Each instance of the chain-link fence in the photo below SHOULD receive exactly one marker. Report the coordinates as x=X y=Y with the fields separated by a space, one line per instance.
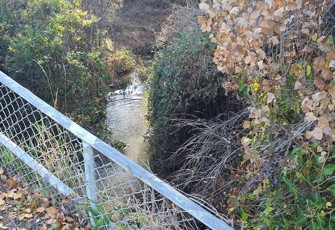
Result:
x=47 y=152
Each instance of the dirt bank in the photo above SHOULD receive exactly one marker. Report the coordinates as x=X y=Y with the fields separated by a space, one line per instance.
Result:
x=134 y=24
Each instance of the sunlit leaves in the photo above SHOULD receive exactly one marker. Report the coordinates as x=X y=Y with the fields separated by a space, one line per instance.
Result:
x=280 y=45
x=328 y=169
x=242 y=30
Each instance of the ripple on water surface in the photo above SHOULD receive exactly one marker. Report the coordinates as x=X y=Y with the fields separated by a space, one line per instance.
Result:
x=126 y=112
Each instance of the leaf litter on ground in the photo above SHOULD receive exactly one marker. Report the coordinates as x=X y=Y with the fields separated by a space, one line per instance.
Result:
x=23 y=209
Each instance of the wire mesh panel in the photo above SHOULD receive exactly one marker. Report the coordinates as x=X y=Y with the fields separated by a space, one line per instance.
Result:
x=79 y=173
x=31 y=135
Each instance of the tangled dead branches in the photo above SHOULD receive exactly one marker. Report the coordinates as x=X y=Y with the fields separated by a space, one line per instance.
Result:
x=212 y=156
x=209 y=154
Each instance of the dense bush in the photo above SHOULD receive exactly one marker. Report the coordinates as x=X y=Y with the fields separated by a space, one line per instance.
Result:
x=54 y=49
x=184 y=81
x=122 y=61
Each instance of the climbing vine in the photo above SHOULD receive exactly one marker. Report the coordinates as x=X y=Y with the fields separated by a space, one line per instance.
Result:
x=280 y=59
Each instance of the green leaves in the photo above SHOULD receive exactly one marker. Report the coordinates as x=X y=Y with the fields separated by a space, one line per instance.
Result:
x=53 y=47
x=308 y=70
x=330 y=40
x=267 y=211
x=328 y=169
x=101 y=219
x=314 y=37
x=292 y=188
x=332 y=189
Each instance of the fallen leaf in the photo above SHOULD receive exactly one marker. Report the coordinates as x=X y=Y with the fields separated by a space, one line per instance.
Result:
x=246 y=124
x=269 y=2
x=315 y=37
x=9 y=194
x=327 y=131
x=274 y=40
x=1 y=171
x=246 y=141
x=51 y=221
x=67 y=227
x=310 y=117
x=202 y=20
x=325 y=48
x=40 y=209
x=25 y=216
x=319 y=64
x=52 y=212
x=331 y=55
x=328 y=205
x=327 y=74
x=319 y=83
x=11 y=215
x=319 y=149
x=331 y=91
x=322 y=40
x=256 y=122
x=17 y=196
x=297 y=85
x=323 y=123
x=307 y=49
x=270 y=97
x=317 y=134
x=306 y=31
x=316 y=98
x=332 y=64
x=234 y=10
x=69 y=219
x=11 y=182
x=279 y=13
x=260 y=65
x=28 y=210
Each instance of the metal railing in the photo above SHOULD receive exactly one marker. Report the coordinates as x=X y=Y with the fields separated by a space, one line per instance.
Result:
x=51 y=154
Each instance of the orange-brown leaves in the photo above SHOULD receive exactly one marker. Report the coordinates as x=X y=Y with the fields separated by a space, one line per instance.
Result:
x=319 y=64
x=275 y=54
x=21 y=207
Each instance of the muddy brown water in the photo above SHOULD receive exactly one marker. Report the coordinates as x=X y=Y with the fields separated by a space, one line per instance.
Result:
x=126 y=113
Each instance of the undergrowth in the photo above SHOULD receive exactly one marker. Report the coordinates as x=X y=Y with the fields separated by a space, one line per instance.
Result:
x=183 y=80
x=279 y=59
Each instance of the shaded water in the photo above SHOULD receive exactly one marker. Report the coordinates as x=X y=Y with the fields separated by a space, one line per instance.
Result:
x=126 y=112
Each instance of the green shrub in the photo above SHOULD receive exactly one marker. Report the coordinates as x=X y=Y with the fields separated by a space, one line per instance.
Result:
x=184 y=80
x=54 y=49
x=123 y=61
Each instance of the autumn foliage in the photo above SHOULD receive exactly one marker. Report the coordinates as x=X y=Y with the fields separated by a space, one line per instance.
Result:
x=280 y=59
x=22 y=208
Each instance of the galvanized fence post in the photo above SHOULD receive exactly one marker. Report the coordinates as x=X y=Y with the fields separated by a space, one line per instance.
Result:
x=91 y=189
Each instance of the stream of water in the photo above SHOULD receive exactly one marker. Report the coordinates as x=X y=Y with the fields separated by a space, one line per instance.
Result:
x=126 y=112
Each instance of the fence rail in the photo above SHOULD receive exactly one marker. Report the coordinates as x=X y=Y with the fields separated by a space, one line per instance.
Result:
x=48 y=152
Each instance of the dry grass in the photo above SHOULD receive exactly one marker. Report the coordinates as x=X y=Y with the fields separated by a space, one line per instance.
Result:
x=134 y=24
x=209 y=156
